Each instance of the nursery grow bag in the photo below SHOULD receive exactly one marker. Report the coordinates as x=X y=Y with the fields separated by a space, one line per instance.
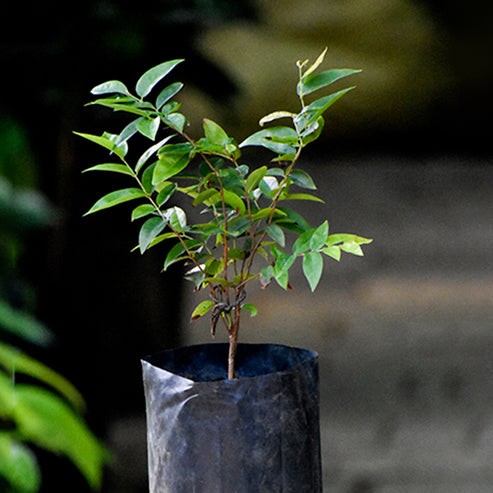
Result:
x=257 y=433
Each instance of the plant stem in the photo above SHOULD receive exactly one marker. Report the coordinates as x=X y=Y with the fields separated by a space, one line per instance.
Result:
x=233 y=341
x=273 y=207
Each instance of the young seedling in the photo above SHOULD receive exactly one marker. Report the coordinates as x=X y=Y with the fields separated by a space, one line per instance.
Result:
x=245 y=210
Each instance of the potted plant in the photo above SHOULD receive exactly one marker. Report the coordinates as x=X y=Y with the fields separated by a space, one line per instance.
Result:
x=226 y=417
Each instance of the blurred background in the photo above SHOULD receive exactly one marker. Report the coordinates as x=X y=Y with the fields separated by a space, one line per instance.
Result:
x=404 y=334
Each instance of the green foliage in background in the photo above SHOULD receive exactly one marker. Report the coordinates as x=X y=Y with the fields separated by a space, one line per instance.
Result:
x=37 y=405
x=47 y=413
x=244 y=209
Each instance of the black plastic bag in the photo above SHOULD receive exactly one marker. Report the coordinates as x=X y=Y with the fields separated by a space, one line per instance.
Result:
x=257 y=433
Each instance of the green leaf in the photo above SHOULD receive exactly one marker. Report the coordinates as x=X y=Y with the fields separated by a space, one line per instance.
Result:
x=116 y=198
x=262 y=214
x=312 y=268
x=202 y=308
x=173 y=158
x=149 y=230
x=169 y=166
x=197 y=278
x=128 y=131
x=275 y=172
x=232 y=180
x=103 y=141
x=213 y=267
x=300 y=196
x=147 y=178
x=319 y=236
x=46 y=420
x=120 y=149
x=24 y=325
x=312 y=132
x=332 y=251
x=242 y=170
x=6 y=395
x=129 y=105
x=277 y=234
x=254 y=178
x=231 y=199
x=214 y=134
x=276 y=115
x=312 y=239
x=250 y=308
x=317 y=63
x=167 y=93
x=150 y=78
x=269 y=186
x=217 y=280
x=177 y=218
x=237 y=253
x=170 y=107
x=147 y=154
x=266 y=274
x=160 y=238
x=16 y=361
x=117 y=99
x=217 y=164
x=149 y=127
x=176 y=121
x=302 y=179
x=165 y=192
x=282 y=266
x=142 y=211
x=293 y=216
x=204 y=195
x=302 y=243
x=348 y=243
x=117 y=168
x=238 y=226
x=276 y=139
x=174 y=255
x=282 y=278
x=351 y=247
x=313 y=111
x=314 y=82
x=18 y=465
x=344 y=237
x=111 y=86
x=284 y=157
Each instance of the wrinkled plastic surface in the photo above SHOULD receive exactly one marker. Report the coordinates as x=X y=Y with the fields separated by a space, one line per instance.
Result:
x=257 y=433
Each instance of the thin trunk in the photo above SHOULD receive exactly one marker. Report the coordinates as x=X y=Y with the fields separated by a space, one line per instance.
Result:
x=233 y=342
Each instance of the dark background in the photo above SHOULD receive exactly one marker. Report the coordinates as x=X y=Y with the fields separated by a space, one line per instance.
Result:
x=106 y=306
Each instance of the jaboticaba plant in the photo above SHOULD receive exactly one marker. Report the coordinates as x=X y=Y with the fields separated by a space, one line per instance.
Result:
x=245 y=210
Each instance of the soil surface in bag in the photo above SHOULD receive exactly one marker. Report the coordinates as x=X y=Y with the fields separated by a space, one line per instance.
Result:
x=256 y=433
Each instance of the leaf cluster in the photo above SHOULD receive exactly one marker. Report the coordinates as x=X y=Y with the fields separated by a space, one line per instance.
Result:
x=46 y=413
x=245 y=210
